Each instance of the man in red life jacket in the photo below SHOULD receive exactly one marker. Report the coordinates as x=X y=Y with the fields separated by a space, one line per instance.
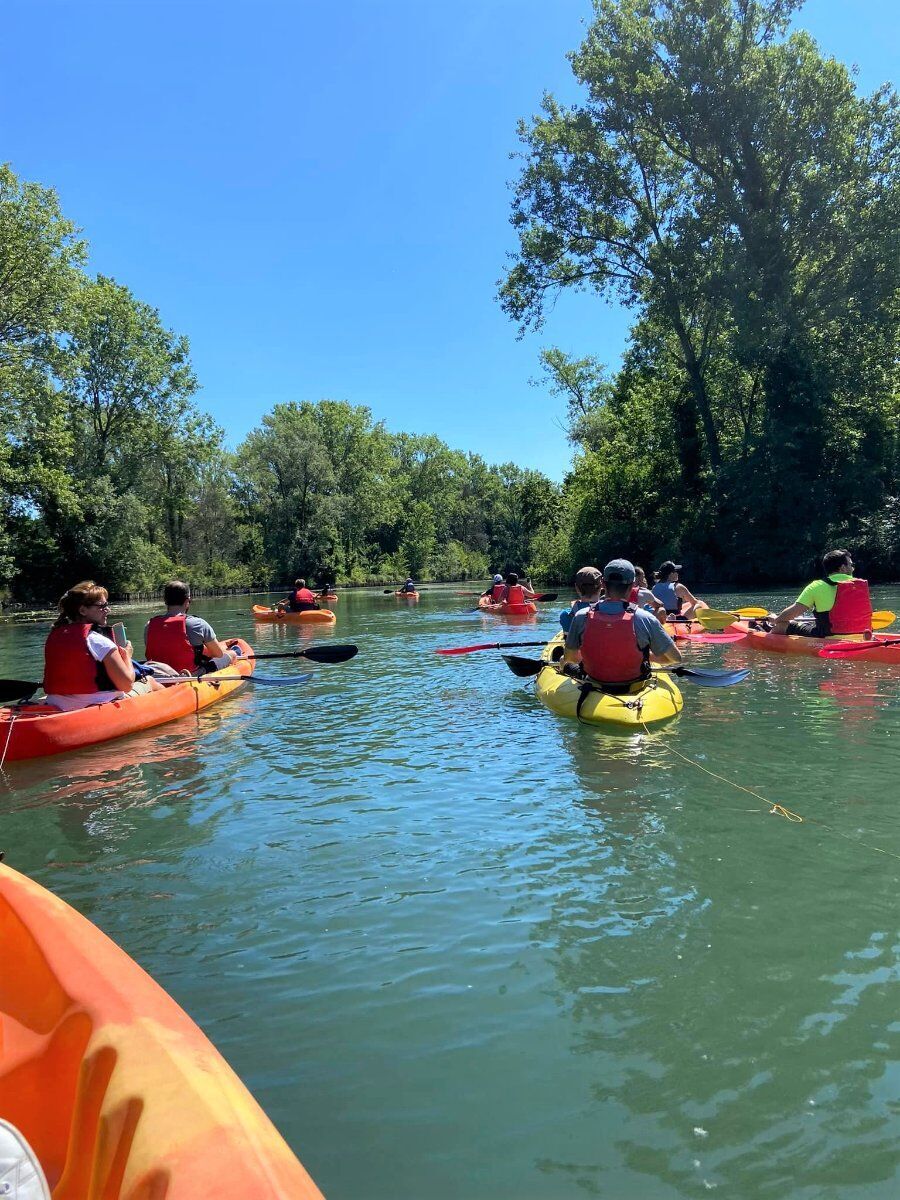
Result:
x=613 y=639
x=185 y=643
x=514 y=592
x=301 y=598
x=839 y=602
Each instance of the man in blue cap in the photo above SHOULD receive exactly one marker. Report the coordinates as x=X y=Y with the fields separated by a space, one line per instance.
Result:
x=613 y=639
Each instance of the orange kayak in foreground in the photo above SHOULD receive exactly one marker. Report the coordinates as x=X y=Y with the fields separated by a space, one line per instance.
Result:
x=312 y=616
x=118 y=1093
x=37 y=730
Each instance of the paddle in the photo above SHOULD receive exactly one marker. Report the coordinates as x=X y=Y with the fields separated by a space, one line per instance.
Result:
x=489 y=646
x=319 y=654
x=398 y=592
x=848 y=649
x=16 y=689
x=264 y=680
x=702 y=676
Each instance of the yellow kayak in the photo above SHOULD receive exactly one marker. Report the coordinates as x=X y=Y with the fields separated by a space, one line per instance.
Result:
x=656 y=699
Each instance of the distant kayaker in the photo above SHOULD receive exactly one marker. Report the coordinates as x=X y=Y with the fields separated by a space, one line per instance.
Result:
x=588 y=589
x=514 y=592
x=82 y=663
x=184 y=642
x=495 y=592
x=300 y=599
x=836 y=603
x=672 y=594
x=642 y=595
x=328 y=591
x=614 y=639
x=409 y=586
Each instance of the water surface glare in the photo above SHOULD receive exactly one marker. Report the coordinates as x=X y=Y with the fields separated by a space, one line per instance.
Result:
x=460 y=947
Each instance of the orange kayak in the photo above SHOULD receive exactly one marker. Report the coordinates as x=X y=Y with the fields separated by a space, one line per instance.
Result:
x=407 y=595
x=38 y=730
x=507 y=610
x=312 y=616
x=328 y=599
x=116 y=1090
x=789 y=643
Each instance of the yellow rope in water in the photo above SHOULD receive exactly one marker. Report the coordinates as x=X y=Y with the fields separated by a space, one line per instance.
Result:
x=778 y=809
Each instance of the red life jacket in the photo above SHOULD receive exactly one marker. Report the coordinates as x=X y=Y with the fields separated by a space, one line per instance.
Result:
x=609 y=650
x=635 y=595
x=302 y=596
x=851 y=611
x=513 y=595
x=497 y=592
x=69 y=667
x=167 y=642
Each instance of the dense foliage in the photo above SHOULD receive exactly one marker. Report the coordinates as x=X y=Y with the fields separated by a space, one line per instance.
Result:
x=726 y=181
x=109 y=470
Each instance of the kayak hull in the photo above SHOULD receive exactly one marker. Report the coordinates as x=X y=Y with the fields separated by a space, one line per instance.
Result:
x=115 y=1088
x=312 y=616
x=527 y=609
x=658 y=699
x=407 y=595
x=37 y=730
x=782 y=643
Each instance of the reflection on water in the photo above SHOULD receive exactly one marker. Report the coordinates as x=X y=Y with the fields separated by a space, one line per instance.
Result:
x=458 y=945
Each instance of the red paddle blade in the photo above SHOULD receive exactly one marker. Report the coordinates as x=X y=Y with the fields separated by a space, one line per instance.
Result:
x=849 y=649
x=469 y=649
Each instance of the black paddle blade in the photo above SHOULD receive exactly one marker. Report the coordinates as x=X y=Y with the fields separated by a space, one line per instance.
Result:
x=16 y=689
x=709 y=676
x=523 y=667
x=546 y=596
x=320 y=654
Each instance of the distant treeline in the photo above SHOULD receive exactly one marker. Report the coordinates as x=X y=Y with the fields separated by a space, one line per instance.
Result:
x=721 y=178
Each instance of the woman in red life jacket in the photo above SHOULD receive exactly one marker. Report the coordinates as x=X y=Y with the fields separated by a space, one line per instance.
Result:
x=838 y=603
x=186 y=643
x=613 y=639
x=300 y=598
x=514 y=592
x=82 y=663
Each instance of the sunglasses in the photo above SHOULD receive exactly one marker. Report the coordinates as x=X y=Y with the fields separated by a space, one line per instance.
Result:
x=105 y=604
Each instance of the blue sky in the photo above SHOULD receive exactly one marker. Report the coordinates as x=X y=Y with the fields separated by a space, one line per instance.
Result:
x=315 y=192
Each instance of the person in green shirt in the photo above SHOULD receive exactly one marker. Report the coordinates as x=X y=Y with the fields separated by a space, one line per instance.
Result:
x=838 y=603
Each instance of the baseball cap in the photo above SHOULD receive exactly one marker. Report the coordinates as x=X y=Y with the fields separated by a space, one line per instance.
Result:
x=498 y=579
x=619 y=570
x=588 y=579
x=668 y=567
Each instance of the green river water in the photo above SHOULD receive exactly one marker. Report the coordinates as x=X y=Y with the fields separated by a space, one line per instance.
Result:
x=459 y=947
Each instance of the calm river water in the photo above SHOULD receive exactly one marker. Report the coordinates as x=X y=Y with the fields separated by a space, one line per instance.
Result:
x=460 y=947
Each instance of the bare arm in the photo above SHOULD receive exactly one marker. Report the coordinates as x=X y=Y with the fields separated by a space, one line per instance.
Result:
x=119 y=669
x=788 y=614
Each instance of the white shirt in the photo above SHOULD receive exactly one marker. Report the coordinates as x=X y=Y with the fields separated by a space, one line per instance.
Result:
x=98 y=646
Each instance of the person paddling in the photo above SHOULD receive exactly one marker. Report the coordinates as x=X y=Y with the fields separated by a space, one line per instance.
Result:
x=588 y=588
x=614 y=639
x=184 y=642
x=300 y=599
x=495 y=591
x=514 y=592
x=675 y=597
x=82 y=663
x=836 y=603
x=408 y=587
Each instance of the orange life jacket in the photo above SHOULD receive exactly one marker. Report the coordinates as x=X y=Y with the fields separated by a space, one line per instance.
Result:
x=513 y=595
x=69 y=667
x=497 y=592
x=851 y=611
x=167 y=642
x=609 y=650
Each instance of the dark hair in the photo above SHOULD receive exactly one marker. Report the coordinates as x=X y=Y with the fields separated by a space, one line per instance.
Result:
x=617 y=589
x=82 y=595
x=299 y=583
x=175 y=592
x=512 y=579
x=834 y=560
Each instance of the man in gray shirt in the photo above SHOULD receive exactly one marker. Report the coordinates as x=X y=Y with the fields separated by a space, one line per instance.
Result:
x=181 y=641
x=649 y=635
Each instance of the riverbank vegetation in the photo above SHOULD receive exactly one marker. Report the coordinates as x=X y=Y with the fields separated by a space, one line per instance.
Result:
x=721 y=178
x=728 y=183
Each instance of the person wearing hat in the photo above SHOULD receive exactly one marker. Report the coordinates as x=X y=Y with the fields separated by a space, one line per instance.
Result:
x=588 y=589
x=514 y=592
x=613 y=639
x=676 y=598
x=495 y=591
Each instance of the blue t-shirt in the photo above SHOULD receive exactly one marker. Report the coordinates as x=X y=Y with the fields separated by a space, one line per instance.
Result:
x=565 y=617
x=648 y=633
x=666 y=594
